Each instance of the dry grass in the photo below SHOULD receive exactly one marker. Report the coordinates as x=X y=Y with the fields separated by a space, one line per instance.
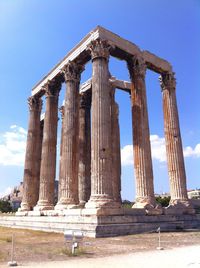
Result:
x=42 y=246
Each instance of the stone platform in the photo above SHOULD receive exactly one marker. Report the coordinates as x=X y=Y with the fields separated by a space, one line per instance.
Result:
x=128 y=222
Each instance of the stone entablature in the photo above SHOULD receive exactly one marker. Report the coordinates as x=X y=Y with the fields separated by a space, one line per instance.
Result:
x=90 y=165
x=121 y=48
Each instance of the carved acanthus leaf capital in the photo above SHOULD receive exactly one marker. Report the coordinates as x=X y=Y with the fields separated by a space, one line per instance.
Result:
x=168 y=81
x=35 y=103
x=137 y=67
x=99 y=49
x=52 y=88
x=72 y=71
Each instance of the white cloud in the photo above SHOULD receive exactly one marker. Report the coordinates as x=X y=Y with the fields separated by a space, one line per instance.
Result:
x=158 y=151
x=12 y=146
x=127 y=155
x=13 y=126
x=189 y=152
x=7 y=191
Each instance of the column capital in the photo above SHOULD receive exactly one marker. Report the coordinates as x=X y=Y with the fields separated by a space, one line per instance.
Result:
x=52 y=88
x=72 y=71
x=99 y=49
x=137 y=67
x=35 y=103
x=167 y=81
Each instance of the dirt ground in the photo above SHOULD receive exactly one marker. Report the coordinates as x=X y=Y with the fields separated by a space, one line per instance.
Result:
x=37 y=246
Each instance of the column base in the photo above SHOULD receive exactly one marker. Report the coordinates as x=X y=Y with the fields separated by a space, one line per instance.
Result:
x=66 y=206
x=64 y=203
x=24 y=207
x=101 y=201
x=43 y=205
x=82 y=204
x=150 y=206
x=179 y=207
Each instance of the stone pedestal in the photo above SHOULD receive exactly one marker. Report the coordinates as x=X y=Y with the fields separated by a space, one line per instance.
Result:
x=33 y=155
x=69 y=162
x=101 y=149
x=141 y=138
x=84 y=172
x=179 y=202
x=48 y=163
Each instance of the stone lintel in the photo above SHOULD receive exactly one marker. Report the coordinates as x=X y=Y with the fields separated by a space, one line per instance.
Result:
x=86 y=86
x=121 y=49
x=116 y=83
x=155 y=63
x=121 y=84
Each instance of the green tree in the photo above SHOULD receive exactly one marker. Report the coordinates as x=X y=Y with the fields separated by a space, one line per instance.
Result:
x=127 y=204
x=5 y=206
x=164 y=201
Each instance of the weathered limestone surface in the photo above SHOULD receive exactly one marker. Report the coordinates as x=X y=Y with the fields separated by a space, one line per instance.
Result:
x=141 y=138
x=102 y=226
x=69 y=162
x=84 y=172
x=101 y=157
x=48 y=163
x=155 y=63
x=116 y=154
x=31 y=168
x=38 y=148
x=61 y=109
x=175 y=160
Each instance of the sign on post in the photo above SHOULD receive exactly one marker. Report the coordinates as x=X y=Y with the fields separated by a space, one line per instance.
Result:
x=75 y=237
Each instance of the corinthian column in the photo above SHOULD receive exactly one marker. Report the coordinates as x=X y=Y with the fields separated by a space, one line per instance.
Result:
x=48 y=162
x=31 y=168
x=116 y=155
x=84 y=172
x=174 y=150
x=101 y=148
x=69 y=161
x=141 y=138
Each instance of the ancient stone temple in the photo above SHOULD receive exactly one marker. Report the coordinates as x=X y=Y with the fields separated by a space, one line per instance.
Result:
x=90 y=164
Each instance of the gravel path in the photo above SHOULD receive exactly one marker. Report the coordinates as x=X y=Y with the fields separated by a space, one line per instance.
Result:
x=171 y=258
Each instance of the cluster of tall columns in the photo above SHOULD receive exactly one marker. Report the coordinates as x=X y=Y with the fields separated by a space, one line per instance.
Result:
x=90 y=164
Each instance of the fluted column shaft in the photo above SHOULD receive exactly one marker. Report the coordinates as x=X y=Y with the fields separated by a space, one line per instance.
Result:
x=69 y=161
x=174 y=150
x=116 y=154
x=60 y=166
x=101 y=149
x=38 y=149
x=31 y=168
x=141 y=138
x=84 y=172
x=48 y=162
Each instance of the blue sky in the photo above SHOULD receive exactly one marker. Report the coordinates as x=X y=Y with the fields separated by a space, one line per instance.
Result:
x=36 y=34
